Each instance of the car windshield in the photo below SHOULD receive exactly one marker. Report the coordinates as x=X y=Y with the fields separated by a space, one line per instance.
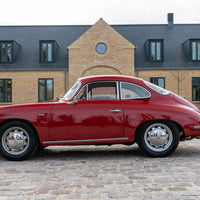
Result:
x=157 y=88
x=72 y=91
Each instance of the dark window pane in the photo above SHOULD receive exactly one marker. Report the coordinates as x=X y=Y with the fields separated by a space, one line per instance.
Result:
x=41 y=90
x=44 y=56
x=158 y=51
x=8 y=90
x=196 y=89
x=158 y=81
x=198 y=50
x=45 y=89
x=49 y=89
x=5 y=90
x=3 y=52
x=9 y=52
x=1 y=90
x=49 y=52
x=153 y=50
x=194 y=51
x=6 y=52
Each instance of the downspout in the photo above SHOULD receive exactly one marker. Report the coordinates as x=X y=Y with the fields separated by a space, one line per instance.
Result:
x=137 y=72
x=65 y=80
x=65 y=71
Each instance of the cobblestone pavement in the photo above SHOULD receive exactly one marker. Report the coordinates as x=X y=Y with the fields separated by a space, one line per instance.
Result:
x=101 y=172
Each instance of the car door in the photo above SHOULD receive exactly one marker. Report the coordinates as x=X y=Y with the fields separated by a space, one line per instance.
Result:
x=97 y=114
x=135 y=101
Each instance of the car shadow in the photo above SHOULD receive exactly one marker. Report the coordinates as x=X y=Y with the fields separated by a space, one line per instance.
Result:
x=104 y=153
x=88 y=152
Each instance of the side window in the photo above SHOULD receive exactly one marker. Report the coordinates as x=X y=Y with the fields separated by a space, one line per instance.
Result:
x=102 y=91
x=132 y=91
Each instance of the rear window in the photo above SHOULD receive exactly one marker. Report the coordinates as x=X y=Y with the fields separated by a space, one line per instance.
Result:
x=157 y=88
x=132 y=91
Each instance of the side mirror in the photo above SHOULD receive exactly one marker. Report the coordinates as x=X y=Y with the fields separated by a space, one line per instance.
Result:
x=73 y=101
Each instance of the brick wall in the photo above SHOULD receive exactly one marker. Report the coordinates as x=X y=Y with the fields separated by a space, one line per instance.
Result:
x=25 y=84
x=171 y=81
x=84 y=60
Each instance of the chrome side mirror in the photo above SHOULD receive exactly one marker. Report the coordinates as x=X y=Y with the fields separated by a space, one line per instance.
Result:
x=73 y=101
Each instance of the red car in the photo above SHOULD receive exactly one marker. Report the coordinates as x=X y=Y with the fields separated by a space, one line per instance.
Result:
x=101 y=110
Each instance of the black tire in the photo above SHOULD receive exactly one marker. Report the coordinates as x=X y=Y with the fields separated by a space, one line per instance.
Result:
x=158 y=139
x=17 y=141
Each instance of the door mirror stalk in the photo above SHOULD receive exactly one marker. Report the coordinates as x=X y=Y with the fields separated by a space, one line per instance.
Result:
x=74 y=101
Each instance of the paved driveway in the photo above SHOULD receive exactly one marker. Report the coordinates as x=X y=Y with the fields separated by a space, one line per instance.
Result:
x=101 y=172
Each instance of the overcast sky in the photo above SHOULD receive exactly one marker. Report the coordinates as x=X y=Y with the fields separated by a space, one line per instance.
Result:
x=77 y=12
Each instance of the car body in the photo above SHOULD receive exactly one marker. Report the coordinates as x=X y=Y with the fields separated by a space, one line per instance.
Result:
x=101 y=110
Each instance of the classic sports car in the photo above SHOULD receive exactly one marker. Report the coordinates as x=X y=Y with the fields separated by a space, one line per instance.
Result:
x=101 y=110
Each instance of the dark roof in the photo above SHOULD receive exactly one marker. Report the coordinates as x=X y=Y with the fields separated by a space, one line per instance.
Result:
x=173 y=36
x=28 y=37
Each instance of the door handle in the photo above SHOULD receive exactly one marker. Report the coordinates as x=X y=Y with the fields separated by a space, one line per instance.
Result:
x=118 y=111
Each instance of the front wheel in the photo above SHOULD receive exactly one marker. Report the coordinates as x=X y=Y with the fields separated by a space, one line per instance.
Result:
x=17 y=141
x=158 y=139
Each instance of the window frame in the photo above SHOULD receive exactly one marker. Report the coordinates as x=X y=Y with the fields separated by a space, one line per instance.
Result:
x=137 y=98
x=4 y=91
x=86 y=85
x=196 y=52
x=192 y=90
x=12 y=51
x=161 y=50
x=45 y=89
x=157 y=78
x=54 y=51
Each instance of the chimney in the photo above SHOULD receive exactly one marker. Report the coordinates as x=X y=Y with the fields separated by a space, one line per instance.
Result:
x=170 y=18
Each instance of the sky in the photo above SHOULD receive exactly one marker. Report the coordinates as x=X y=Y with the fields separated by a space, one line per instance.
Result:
x=87 y=12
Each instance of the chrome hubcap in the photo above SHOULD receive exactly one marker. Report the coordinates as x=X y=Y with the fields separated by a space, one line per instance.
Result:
x=158 y=137
x=15 y=140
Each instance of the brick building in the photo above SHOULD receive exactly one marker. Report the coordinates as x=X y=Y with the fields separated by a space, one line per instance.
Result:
x=39 y=63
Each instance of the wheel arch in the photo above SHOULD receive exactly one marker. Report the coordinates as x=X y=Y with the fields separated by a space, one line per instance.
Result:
x=137 y=131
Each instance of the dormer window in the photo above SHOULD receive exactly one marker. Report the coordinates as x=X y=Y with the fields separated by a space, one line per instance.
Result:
x=195 y=50
x=154 y=50
x=9 y=51
x=192 y=49
x=48 y=50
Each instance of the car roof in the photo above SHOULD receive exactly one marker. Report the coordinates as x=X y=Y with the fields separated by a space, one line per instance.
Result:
x=111 y=78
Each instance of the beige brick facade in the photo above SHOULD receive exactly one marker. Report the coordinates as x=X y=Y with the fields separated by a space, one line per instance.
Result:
x=84 y=60
x=25 y=84
x=178 y=81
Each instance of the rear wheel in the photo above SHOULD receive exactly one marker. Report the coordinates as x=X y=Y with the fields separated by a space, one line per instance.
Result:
x=158 y=139
x=18 y=141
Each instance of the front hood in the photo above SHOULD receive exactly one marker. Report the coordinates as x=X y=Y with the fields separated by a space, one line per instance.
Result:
x=183 y=101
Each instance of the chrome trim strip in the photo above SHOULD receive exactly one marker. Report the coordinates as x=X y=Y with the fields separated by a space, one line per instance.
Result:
x=196 y=127
x=76 y=141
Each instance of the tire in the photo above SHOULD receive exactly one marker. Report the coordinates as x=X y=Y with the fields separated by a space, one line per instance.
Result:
x=158 y=139
x=17 y=141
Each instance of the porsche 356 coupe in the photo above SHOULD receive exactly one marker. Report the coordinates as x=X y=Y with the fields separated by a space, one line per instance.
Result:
x=101 y=110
